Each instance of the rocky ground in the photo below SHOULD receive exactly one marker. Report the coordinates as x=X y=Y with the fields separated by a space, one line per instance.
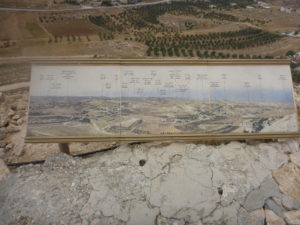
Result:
x=156 y=183
x=13 y=120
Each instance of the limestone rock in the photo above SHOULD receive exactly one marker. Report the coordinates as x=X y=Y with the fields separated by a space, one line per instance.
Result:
x=20 y=121
x=1 y=97
x=292 y=217
x=60 y=160
x=141 y=213
x=2 y=135
x=288 y=178
x=109 y=205
x=295 y=158
x=12 y=129
x=224 y=215
x=13 y=122
x=189 y=215
x=290 y=203
x=4 y=122
x=13 y=107
x=11 y=113
x=276 y=208
x=270 y=158
x=16 y=117
x=8 y=147
x=19 y=148
x=105 y=221
x=21 y=107
x=278 y=200
x=165 y=187
x=166 y=221
x=176 y=158
x=273 y=219
x=293 y=145
x=4 y=171
x=177 y=184
x=256 y=217
x=229 y=171
x=227 y=192
x=270 y=188
x=3 y=144
x=289 y=145
x=2 y=152
x=256 y=198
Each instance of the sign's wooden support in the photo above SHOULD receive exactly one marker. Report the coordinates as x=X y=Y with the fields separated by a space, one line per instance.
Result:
x=198 y=138
x=64 y=147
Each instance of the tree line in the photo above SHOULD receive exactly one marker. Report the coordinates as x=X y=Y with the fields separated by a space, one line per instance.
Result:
x=189 y=45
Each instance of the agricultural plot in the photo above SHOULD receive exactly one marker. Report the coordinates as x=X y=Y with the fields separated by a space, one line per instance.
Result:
x=167 y=39
x=60 y=27
x=177 y=29
x=64 y=29
x=189 y=44
x=18 y=25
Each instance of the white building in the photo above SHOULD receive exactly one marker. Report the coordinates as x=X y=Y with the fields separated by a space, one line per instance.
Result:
x=266 y=7
x=286 y=9
x=261 y=3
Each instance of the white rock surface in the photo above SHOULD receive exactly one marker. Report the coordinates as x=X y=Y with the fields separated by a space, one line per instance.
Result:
x=256 y=217
x=290 y=203
x=288 y=179
x=4 y=171
x=141 y=212
x=177 y=184
x=1 y=97
x=293 y=217
x=295 y=158
x=273 y=219
x=256 y=198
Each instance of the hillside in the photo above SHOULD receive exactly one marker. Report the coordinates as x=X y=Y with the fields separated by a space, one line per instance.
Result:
x=34 y=4
x=178 y=29
x=287 y=3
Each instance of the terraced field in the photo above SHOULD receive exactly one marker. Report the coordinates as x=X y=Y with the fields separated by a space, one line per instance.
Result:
x=178 y=29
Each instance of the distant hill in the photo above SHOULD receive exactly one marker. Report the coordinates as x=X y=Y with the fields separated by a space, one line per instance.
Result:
x=288 y=3
x=29 y=3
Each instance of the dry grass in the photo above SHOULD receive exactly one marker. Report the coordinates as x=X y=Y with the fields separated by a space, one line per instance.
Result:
x=72 y=27
x=18 y=26
x=279 y=21
x=18 y=72
x=104 y=49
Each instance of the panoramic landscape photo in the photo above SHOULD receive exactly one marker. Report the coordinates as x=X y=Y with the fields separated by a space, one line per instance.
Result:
x=160 y=100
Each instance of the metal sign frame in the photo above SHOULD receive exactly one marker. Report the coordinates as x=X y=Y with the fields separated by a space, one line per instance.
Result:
x=165 y=137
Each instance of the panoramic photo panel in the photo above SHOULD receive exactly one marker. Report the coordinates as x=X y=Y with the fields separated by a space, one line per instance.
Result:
x=128 y=100
x=74 y=101
x=163 y=99
x=255 y=98
x=206 y=99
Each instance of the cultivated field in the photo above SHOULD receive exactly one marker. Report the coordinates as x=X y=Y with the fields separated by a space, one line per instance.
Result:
x=178 y=29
